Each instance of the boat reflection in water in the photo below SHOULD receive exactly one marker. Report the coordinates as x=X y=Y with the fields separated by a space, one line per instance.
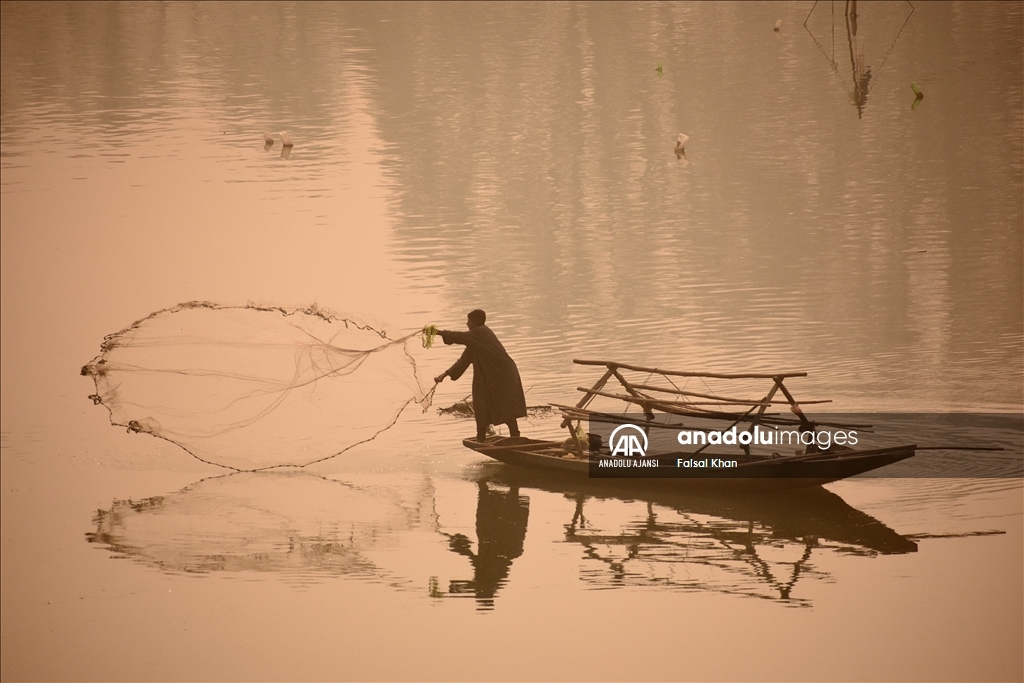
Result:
x=746 y=545
x=386 y=528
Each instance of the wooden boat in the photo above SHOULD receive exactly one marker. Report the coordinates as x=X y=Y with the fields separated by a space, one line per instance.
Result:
x=754 y=474
x=674 y=408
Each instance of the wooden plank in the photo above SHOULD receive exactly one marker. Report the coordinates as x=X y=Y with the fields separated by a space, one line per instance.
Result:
x=773 y=419
x=596 y=416
x=647 y=399
x=597 y=386
x=726 y=399
x=525 y=447
x=771 y=394
x=587 y=397
x=678 y=373
x=723 y=400
x=673 y=408
x=794 y=406
x=633 y=392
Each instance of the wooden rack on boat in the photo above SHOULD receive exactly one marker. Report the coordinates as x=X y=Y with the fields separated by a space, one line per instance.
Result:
x=674 y=401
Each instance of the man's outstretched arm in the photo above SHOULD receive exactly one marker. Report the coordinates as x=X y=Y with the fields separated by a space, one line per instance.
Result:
x=450 y=337
x=456 y=370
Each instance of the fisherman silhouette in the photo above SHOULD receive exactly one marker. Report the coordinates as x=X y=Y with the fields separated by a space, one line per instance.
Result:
x=498 y=396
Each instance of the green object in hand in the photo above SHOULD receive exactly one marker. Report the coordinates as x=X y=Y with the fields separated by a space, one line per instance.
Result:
x=428 y=334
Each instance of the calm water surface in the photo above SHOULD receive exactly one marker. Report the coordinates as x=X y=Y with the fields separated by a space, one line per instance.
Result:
x=517 y=158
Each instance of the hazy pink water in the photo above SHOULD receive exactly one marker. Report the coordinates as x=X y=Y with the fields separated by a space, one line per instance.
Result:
x=517 y=158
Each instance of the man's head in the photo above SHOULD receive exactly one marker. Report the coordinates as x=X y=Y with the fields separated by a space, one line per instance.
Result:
x=475 y=318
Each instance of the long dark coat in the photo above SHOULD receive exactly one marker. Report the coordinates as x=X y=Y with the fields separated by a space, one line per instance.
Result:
x=497 y=389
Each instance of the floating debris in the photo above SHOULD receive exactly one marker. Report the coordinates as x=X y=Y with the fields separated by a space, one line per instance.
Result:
x=681 y=145
x=918 y=98
x=778 y=25
x=268 y=138
x=681 y=149
x=464 y=408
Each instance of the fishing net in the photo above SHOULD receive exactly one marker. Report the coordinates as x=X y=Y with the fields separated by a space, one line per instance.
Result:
x=254 y=387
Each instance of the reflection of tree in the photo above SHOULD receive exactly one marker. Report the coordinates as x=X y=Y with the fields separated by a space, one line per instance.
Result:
x=860 y=70
x=501 y=520
x=511 y=147
x=152 y=59
x=525 y=148
x=727 y=544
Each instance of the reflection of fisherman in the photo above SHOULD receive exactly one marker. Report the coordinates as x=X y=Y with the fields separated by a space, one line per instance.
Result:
x=501 y=520
x=497 y=390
